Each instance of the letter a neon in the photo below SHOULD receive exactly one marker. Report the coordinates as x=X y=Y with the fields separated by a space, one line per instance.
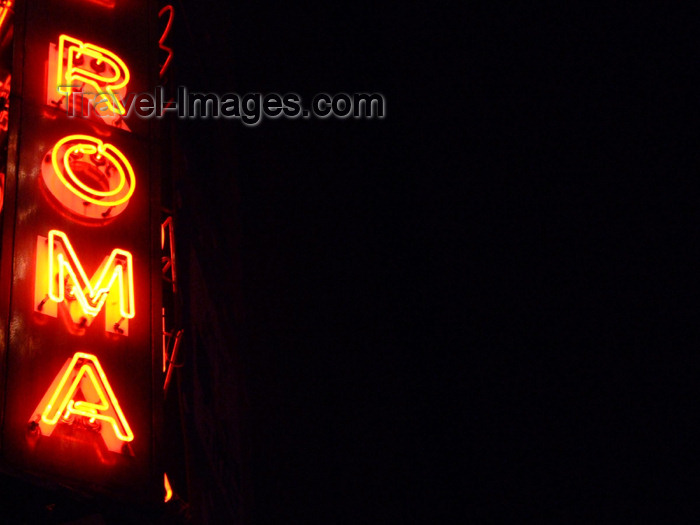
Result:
x=61 y=404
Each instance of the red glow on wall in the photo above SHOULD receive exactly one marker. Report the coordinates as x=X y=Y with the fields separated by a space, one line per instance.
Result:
x=104 y=3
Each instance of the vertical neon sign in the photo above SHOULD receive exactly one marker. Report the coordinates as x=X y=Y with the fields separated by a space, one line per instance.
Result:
x=93 y=179
x=80 y=262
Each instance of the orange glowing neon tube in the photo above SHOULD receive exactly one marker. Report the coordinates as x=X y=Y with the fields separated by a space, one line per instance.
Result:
x=76 y=158
x=4 y=10
x=168 y=488
x=99 y=403
x=171 y=14
x=60 y=277
x=99 y=287
x=85 y=63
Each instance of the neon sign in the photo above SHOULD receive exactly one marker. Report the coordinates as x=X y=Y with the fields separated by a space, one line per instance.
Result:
x=97 y=406
x=80 y=267
x=89 y=177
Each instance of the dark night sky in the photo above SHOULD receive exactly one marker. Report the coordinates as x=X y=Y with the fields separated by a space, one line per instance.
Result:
x=498 y=200
x=335 y=283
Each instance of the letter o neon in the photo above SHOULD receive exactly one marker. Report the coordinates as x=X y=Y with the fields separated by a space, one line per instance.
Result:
x=104 y=162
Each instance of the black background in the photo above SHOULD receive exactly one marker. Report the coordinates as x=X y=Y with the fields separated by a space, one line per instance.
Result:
x=338 y=249
x=449 y=312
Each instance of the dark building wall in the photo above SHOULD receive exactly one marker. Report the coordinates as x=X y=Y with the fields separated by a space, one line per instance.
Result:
x=214 y=405
x=320 y=216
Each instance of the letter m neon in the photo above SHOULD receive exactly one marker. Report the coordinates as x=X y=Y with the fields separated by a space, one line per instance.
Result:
x=61 y=279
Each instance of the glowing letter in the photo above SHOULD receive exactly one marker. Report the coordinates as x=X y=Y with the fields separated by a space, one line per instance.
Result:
x=96 y=408
x=60 y=277
x=75 y=64
x=89 y=177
